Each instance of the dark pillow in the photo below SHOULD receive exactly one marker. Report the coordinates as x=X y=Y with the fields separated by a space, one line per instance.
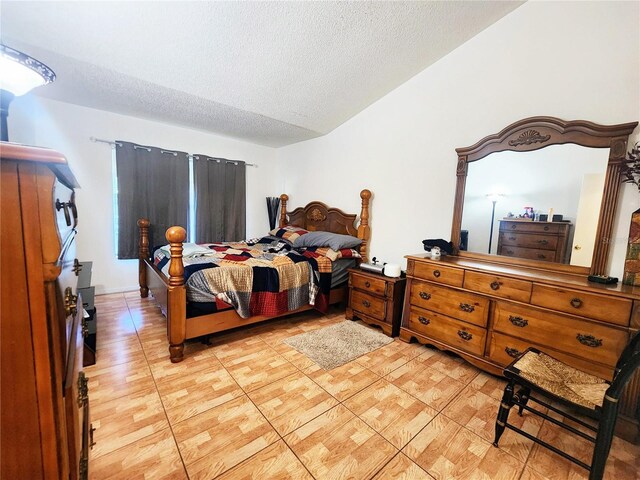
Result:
x=334 y=241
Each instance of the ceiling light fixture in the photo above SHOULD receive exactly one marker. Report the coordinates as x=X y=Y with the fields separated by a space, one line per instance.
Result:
x=20 y=74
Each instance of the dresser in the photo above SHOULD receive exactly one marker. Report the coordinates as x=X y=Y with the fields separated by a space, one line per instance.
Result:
x=488 y=313
x=376 y=300
x=45 y=407
x=543 y=241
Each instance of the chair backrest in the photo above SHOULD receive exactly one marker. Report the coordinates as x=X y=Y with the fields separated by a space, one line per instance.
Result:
x=627 y=353
x=623 y=376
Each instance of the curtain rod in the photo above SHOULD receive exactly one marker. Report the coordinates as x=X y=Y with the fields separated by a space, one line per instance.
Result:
x=113 y=143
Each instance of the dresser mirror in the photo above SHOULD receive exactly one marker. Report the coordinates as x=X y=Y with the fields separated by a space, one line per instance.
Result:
x=542 y=192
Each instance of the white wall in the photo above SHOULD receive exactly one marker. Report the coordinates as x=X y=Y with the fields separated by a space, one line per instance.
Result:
x=572 y=60
x=67 y=128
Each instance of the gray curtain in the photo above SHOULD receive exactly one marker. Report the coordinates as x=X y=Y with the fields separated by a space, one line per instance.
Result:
x=153 y=185
x=220 y=192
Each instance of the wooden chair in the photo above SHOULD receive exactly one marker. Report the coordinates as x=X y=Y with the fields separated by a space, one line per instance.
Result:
x=591 y=396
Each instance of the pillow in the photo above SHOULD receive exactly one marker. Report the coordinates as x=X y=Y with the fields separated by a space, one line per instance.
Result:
x=190 y=250
x=333 y=255
x=289 y=232
x=334 y=241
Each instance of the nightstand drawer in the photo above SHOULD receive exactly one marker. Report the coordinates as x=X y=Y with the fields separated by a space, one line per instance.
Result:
x=368 y=304
x=365 y=283
x=469 y=338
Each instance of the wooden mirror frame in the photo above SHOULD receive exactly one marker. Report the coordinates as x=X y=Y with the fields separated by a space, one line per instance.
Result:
x=535 y=133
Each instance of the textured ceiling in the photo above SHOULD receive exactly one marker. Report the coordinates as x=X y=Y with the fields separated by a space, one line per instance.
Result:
x=272 y=73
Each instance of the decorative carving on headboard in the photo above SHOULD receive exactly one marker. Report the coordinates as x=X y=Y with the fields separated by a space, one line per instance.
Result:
x=528 y=137
x=316 y=215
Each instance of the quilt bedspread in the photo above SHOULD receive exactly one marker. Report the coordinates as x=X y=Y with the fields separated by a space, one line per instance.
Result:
x=264 y=276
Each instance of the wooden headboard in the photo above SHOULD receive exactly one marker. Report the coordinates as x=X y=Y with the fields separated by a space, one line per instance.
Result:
x=318 y=216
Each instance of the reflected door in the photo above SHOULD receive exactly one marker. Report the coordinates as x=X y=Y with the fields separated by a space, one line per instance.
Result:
x=587 y=219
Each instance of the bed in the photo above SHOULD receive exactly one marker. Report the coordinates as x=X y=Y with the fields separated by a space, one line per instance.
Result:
x=170 y=290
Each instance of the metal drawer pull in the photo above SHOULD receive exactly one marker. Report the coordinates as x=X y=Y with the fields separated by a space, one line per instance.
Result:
x=85 y=328
x=512 y=352
x=576 y=302
x=542 y=256
x=366 y=303
x=518 y=321
x=513 y=227
x=424 y=321
x=436 y=273
x=495 y=285
x=464 y=335
x=64 y=205
x=70 y=301
x=465 y=307
x=589 y=340
x=543 y=242
x=367 y=284
x=83 y=390
x=77 y=267
x=508 y=252
x=425 y=295
x=513 y=238
x=546 y=228
x=91 y=442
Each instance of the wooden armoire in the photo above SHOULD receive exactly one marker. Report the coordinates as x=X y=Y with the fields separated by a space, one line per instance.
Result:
x=45 y=427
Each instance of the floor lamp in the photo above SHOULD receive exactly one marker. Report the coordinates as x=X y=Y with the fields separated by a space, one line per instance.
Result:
x=494 y=197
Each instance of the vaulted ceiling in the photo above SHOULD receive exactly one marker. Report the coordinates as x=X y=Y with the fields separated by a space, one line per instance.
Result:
x=272 y=73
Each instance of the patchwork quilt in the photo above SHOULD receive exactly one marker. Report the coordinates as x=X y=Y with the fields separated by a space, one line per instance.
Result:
x=263 y=276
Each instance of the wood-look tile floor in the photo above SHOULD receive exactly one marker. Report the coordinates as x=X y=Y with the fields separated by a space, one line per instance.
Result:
x=247 y=406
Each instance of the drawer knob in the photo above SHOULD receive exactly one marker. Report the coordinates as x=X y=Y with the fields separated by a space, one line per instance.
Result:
x=366 y=303
x=424 y=321
x=83 y=389
x=546 y=228
x=513 y=238
x=465 y=335
x=495 y=285
x=543 y=242
x=425 y=295
x=512 y=352
x=465 y=307
x=508 y=252
x=589 y=340
x=576 y=302
x=70 y=302
x=513 y=227
x=367 y=284
x=518 y=321
x=542 y=256
x=436 y=273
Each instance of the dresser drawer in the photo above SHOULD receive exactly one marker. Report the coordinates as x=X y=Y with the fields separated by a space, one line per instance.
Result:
x=366 y=283
x=597 y=342
x=462 y=305
x=504 y=349
x=469 y=338
x=529 y=253
x=368 y=304
x=542 y=242
x=498 y=286
x=530 y=227
x=605 y=308
x=439 y=273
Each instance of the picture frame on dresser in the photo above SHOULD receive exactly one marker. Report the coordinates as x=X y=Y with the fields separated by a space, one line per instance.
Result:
x=488 y=309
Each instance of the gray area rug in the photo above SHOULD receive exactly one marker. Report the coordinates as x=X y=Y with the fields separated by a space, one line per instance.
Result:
x=338 y=344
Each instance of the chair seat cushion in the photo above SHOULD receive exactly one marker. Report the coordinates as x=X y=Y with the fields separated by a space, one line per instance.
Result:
x=560 y=379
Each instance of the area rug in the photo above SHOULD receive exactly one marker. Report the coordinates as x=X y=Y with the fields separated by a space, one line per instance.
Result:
x=338 y=344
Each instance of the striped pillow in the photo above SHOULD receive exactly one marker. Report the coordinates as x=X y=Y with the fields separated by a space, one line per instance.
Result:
x=288 y=232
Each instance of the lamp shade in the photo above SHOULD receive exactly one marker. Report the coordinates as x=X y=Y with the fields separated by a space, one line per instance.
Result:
x=21 y=73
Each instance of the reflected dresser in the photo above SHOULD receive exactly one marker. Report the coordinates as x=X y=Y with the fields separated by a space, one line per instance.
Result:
x=542 y=241
x=488 y=313
x=45 y=407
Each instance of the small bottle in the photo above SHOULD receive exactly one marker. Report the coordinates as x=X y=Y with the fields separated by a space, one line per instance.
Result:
x=550 y=215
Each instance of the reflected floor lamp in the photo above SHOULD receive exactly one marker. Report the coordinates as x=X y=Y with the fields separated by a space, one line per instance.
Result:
x=20 y=74
x=494 y=197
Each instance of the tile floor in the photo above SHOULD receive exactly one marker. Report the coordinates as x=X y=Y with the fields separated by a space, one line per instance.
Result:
x=250 y=407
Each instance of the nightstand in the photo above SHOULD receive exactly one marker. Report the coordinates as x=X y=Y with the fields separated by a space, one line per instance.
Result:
x=376 y=300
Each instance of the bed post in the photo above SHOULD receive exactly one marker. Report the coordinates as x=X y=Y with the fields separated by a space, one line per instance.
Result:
x=364 y=231
x=283 y=209
x=143 y=254
x=177 y=295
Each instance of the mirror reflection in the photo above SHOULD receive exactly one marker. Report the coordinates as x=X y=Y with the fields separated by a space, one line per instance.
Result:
x=540 y=205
